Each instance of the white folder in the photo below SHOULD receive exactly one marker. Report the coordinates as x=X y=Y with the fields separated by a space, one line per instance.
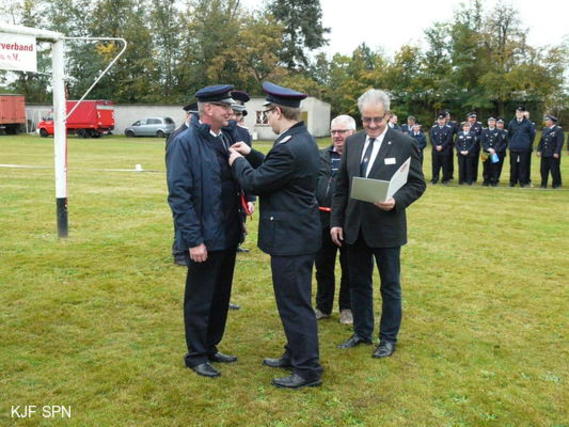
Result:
x=379 y=190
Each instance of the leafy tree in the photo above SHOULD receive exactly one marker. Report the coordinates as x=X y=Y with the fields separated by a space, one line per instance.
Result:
x=302 y=20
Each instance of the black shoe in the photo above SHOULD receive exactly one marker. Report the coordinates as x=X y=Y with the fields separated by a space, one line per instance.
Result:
x=295 y=381
x=384 y=349
x=242 y=250
x=353 y=341
x=222 y=358
x=434 y=181
x=543 y=186
x=485 y=184
x=234 y=306
x=205 y=370
x=180 y=260
x=512 y=184
x=283 y=362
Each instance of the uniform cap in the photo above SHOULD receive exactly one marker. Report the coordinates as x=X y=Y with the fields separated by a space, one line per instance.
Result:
x=442 y=116
x=240 y=96
x=471 y=115
x=521 y=108
x=282 y=96
x=191 y=108
x=492 y=118
x=215 y=93
x=550 y=117
x=500 y=120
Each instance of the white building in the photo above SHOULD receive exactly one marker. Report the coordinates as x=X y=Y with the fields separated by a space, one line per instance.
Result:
x=315 y=113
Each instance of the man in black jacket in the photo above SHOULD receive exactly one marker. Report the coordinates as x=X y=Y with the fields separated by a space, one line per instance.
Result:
x=549 y=149
x=289 y=227
x=204 y=198
x=190 y=109
x=521 y=135
x=330 y=157
x=375 y=229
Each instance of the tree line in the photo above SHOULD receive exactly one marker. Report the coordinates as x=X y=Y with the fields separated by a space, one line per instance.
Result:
x=479 y=60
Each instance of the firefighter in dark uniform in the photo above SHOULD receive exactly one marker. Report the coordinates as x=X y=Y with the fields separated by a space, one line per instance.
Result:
x=502 y=147
x=466 y=141
x=190 y=109
x=455 y=129
x=407 y=128
x=476 y=129
x=289 y=227
x=441 y=140
x=418 y=135
x=521 y=134
x=549 y=149
x=491 y=139
x=204 y=198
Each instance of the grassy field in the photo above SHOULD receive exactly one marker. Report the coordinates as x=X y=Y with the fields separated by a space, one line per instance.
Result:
x=94 y=322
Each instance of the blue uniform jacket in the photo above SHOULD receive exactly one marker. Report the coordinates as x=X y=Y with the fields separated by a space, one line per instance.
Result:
x=466 y=142
x=194 y=185
x=551 y=141
x=421 y=140
x=442 y=135
x=521 y=135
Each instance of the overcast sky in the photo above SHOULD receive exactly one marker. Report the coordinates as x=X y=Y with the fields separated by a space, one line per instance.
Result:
x=390 y=24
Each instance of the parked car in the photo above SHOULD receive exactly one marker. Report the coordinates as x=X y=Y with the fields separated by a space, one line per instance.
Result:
x=151 y=126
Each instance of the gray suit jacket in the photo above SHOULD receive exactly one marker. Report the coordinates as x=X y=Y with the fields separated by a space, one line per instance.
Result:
x=380 y=229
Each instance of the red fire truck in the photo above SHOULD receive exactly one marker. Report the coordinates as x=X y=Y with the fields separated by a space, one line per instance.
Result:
x=12 y=113
x=91 y=119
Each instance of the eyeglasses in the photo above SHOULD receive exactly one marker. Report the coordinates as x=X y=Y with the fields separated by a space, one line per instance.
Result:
x=269 y=110
x=373 y=119
x=339 y=131
x=222 y=105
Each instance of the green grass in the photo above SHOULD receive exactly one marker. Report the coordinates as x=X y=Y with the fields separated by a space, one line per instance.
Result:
x=95 y=322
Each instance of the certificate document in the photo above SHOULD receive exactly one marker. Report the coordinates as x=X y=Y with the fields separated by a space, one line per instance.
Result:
x=378 y=190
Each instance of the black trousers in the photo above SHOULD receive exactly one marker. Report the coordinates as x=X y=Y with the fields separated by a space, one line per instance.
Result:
x=451 y=164
x=292 y=281
x=475 y=161
x=441 y=161
x=490 y=170
x=519 y=167
x=361 y=286
x=206 y=300
x=465 y=169
x=550 y=164
x=325 y=275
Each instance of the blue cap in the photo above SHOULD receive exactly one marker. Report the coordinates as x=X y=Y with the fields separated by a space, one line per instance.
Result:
x=550 y=117
x=240 y=96
x=472 y=114
x=191 y=108
x=282 y=96
x=216 y=93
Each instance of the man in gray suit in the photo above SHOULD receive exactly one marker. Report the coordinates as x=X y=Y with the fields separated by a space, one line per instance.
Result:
x=375 y=229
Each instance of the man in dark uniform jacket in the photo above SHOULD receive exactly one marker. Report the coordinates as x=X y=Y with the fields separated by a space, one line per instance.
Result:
x=441 y=140
x=466 y=140
x=476 y=129
x=407 y=128
x=375 y=229
x=341 y=127
x=204 y=198
x=190 y=109
x=502 y=147
x=521 y=134
x=418 y=135
x=289 y=227
x=491 y=140
x=455 y=129
x=549 y=149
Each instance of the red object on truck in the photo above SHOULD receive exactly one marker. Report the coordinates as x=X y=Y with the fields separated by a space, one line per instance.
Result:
x=91 y=119
x=12 y=113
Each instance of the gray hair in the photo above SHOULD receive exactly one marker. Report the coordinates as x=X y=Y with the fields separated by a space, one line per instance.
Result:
x=346 y=120
x=374 y=97
x=201 y=106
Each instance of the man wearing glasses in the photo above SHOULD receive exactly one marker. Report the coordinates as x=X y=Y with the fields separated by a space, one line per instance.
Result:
x=330 y=158
x=289 y=227
x=204 y=198
x=375 y=229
